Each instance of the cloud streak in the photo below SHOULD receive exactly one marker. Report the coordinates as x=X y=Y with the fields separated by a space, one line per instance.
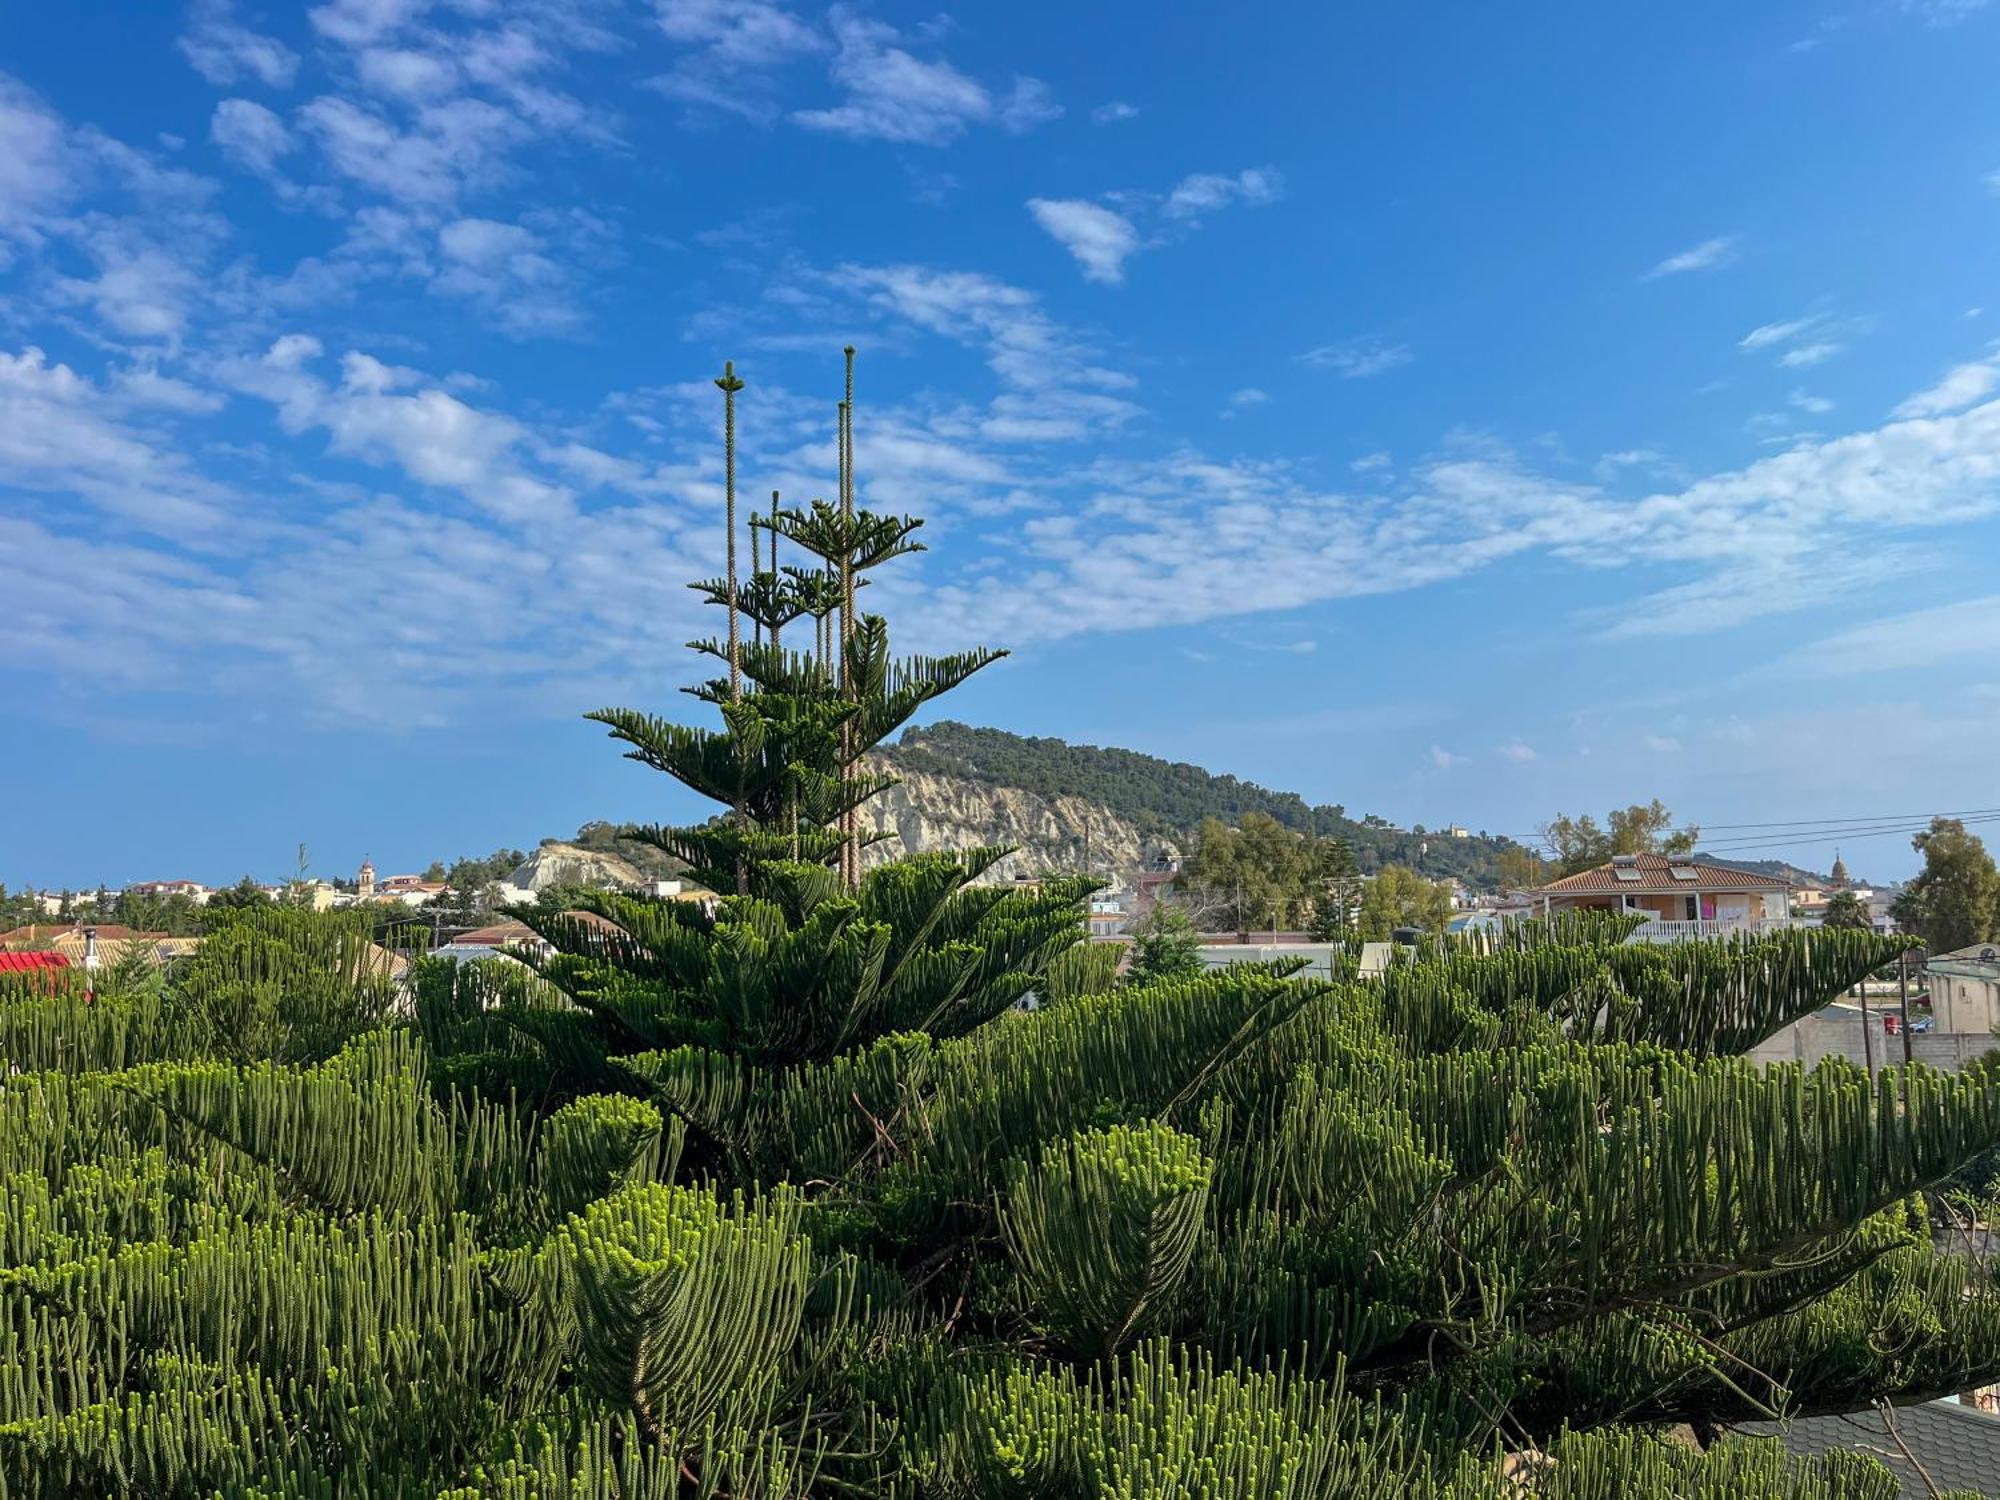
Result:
x=1102 y=236
x=1709 y=255
x=1101 y=239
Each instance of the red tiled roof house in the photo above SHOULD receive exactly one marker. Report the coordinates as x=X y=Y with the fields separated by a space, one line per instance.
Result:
x=1679 y=897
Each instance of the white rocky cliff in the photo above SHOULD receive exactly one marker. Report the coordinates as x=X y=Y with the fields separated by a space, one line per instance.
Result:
x=1051 y=835
x=556 y=863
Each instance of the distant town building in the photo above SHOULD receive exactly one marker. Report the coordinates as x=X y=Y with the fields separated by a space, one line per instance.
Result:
x=194 y=890
x=411 y=890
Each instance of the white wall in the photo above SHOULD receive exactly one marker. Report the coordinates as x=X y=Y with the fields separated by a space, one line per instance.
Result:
x=1963 y=1004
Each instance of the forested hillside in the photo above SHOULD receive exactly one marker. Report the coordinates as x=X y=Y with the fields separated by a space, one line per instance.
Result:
x=1170 y=798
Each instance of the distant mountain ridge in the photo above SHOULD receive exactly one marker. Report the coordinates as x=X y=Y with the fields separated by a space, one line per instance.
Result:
x=1778 y=868
x=1166 y=800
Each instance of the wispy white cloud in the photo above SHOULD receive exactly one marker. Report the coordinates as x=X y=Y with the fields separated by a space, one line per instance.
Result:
x=1103 y=238
x=1624 y=460
x=250 y=135
x=1769 y=335
x=1205 y=192
x=1114 y=113
x=144 y=386
x=431 y=161
x=227 y=53
x=1958 y=389
x=1100 y=238
x=893 y=95
x=1243 y=400
x=735 y=52
x=1707 y=256
x=61 y=435
x=409 y=73
x=1943 y=12
x=1799 y=342
x=1806 y=401
x=362 y=23
x=1444 y=760
x=37 y=164
x=1358 y=359
x=1055 y=387
x=1920 y=640
x=508 y=270
x=1517 y=751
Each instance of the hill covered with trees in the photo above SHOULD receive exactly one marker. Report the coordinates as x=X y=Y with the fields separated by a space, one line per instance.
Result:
x=1171 y=798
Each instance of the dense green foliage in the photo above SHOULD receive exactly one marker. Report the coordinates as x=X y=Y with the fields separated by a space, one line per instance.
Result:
x=1643 y=828
x=793 y=1197
x=1399 y=897
x=1171 y=798
x=1165 y=945
x=1954 y=901
x=1231 y=1235
x=1263 y=874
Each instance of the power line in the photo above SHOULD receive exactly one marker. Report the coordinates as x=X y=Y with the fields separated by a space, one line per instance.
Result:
x=1836 y=838
x=1859 y=827
x=1879 y=818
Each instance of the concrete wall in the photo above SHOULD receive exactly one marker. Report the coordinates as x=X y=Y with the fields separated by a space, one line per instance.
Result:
x=1819 y=1037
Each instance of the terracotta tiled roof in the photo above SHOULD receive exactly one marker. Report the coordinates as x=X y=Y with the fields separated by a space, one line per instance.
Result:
x=1656 y=878
x=156 y=946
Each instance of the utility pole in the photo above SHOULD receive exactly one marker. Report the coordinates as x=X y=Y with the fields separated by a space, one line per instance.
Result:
x=1903 y=999
x=1867 y=1040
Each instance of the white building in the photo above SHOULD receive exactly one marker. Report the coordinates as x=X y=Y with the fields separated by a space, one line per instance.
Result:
x=1965 y=989
x=194 y=890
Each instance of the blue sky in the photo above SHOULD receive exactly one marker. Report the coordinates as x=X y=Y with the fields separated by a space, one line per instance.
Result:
x=1460 y=413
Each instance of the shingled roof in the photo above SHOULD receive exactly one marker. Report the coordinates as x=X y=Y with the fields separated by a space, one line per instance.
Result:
x=1654 y=876
x=1958 y=1446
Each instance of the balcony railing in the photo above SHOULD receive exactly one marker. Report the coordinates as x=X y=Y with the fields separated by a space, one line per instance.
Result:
x=1661 y=931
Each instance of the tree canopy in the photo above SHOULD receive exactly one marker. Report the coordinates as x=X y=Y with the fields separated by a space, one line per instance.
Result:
x=1954 y=901
x=1643 y=828
x=1400 y=897
x=1165 y=945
